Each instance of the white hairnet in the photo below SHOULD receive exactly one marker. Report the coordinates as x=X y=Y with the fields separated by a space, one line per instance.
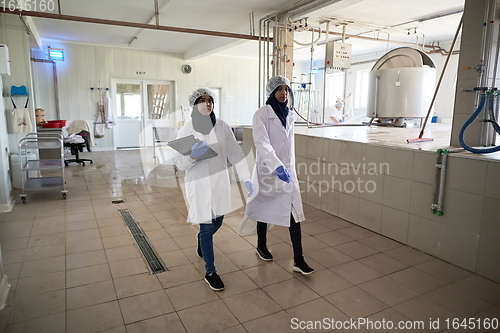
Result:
x=275 y=82
x=200 y=92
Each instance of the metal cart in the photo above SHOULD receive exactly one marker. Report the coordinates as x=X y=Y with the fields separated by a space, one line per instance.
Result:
x=56 y=179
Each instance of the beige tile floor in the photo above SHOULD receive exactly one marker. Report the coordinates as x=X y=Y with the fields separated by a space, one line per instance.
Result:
x=74 y=267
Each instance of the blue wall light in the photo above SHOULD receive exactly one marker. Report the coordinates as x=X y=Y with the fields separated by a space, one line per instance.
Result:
x=56 y=54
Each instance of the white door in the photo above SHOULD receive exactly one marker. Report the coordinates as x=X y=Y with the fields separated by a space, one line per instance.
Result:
x=129 y=113
x=140 y=105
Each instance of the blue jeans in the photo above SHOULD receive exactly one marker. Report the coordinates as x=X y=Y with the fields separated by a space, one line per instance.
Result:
x=207 y=231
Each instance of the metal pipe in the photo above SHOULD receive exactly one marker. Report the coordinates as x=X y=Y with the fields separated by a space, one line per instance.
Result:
x=287 y=57
x=434 y=17
x=484 y=47
x=276 y=49
x=489 y=17
x=157 y=14
x=268 y=54
x=375 y=102
x=441 y=163
x=437 y=179
x=441 y=184
x=310 y=81
x=309 y=6
x=56 y=90
x=126 y=24
x=370 y=38
x=260 y=61
x=495 y=67
x=286 y=9
x=441 y=76
x=324 y=76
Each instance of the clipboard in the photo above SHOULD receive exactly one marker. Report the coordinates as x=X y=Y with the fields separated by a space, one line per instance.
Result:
x=183 y=146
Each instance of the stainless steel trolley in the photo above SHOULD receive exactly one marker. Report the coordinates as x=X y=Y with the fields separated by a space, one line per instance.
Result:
x=56 y=179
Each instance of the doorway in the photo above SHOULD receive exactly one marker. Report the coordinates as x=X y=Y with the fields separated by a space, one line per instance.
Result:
x=138 y=104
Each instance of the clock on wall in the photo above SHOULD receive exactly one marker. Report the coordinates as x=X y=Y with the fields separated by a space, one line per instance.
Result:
x=186 y=69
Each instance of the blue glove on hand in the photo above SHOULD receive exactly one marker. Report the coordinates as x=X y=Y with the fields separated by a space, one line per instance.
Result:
x=250 y=187
x=282 y=174
x=199 y=149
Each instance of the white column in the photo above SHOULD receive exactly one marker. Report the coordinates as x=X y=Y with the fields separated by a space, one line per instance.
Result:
x=472 y=56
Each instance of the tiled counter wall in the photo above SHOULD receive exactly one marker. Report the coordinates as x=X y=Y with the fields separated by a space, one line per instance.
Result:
x=394 y=192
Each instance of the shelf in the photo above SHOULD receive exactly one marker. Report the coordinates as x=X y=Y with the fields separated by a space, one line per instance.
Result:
x=30 y=168
x=45 y=144
x=43 y=182
x=42 y=165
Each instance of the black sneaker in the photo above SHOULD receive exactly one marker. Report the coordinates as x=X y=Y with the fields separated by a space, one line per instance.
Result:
x=198 y=247
x=302 y=267
x=214 y=282
x=264 y=253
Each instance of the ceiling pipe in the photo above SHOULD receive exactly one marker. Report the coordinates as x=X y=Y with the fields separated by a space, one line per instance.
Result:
x=286 y=9
x=302 y=9
x=344 y=35
x=156 y=17
x=127 y=24
x=439 y=16
x=157 y=13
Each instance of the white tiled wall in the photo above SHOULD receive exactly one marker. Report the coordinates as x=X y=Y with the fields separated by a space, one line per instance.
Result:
x=395 y=193
x=398 y=205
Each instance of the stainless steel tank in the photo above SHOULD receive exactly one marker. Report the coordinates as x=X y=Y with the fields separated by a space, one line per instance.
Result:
x=401 y=85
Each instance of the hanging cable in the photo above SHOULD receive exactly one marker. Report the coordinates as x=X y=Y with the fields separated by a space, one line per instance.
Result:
x=485 y=93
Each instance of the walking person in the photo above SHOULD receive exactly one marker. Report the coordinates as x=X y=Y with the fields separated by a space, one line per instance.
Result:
x=207 y=182
x=277 y=197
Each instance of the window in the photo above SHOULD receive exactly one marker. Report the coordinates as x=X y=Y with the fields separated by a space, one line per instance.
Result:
x=128 y=101
x=362 y=81
x=335 y=88
x=158 y=100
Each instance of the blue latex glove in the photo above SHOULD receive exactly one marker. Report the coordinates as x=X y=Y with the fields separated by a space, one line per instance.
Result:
x=282 y=174
x=250 y=187
x=199 y=149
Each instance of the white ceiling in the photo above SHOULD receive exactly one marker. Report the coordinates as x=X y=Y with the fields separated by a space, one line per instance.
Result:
x=387 y=20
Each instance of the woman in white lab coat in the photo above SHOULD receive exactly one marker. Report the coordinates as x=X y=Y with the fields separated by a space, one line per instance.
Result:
x=277 y=195
x=207 y=182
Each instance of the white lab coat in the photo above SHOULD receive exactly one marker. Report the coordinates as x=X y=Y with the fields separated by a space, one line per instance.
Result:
x=273 y=199
x=109 y=113
x=208 y=188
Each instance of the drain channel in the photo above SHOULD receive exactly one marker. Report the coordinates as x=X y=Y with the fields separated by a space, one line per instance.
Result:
x=154 y=262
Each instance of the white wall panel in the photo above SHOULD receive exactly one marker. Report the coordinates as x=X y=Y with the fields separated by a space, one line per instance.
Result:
x=86 y=65
x=13 y=35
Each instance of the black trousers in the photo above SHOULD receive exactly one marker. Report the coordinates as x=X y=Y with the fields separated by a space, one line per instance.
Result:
x=295 y=237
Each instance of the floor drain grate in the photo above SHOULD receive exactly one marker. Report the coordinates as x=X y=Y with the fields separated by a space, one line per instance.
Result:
x=154 y=262
x=117 y=201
